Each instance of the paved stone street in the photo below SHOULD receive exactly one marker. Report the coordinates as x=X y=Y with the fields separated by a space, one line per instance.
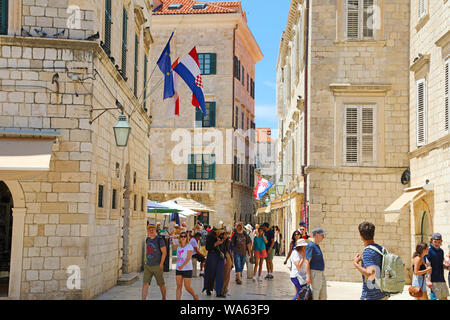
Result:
x=280 y=288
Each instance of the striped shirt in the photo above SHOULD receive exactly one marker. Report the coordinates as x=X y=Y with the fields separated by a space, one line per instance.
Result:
x=372 y=258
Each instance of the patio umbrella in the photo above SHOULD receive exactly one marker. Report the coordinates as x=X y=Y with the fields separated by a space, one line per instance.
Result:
x=182 y=210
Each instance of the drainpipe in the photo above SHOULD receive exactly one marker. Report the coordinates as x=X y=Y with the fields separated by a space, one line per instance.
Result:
x=305 y=175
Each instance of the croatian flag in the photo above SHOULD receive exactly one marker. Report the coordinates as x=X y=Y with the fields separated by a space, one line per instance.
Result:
x=189 y=70
x=174 y=102
x=262 y=187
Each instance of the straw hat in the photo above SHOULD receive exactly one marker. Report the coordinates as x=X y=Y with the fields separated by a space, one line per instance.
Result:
x=301 y=243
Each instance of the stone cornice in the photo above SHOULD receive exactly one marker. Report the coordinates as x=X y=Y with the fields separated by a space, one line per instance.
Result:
x=148 y=39
x=430 y=147
x=356 y=170
x=444 y=40
x=420 y=63
x=357 y=90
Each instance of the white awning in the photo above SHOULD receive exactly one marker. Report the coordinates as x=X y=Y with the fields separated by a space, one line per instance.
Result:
x=18 y=154
x=192 y=204
x=405 y=199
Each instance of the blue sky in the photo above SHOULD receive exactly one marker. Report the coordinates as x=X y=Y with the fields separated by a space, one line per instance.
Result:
x=267 y=20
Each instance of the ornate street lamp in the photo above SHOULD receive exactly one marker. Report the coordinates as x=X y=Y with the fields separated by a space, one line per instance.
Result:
x=280 y=187
x=122 y=131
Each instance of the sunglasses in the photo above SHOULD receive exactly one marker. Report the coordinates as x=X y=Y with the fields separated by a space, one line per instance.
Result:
x=183 y=236
x=296 y=234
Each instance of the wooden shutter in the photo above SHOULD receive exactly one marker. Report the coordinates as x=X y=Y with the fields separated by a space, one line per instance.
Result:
x=212 y=114
x=368 y=17
x=124 y=42
x=421 y=111
x=367 y=134
x=198 y=118
x=447 y=106
x=351 y=135
x=352 y=19
x=213 y=63
x=145 y=81
x=3 y=16
x=136 y=62
x=191 y=167
x=421 y=8
x=108 y=22
x=212 y=167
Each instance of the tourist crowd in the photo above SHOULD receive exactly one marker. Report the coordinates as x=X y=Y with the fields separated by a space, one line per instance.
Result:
x=220 y=249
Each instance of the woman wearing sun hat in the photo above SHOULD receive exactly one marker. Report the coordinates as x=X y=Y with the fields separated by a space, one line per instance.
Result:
x=298 y=270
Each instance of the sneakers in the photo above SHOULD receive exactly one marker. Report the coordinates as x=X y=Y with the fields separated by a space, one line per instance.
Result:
x=260 y=279
x=269 y=276
x=254 y=278
x=238 y=281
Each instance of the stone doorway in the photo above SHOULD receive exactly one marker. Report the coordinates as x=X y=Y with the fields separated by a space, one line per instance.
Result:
x=6 y=205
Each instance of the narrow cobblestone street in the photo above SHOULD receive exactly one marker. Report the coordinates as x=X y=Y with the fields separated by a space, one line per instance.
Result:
x=280 y=288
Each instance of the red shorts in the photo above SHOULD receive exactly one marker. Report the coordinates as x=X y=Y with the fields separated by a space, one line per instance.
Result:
x=261 y=254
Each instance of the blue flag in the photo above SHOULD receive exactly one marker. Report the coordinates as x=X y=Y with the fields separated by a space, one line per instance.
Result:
x=165 y=65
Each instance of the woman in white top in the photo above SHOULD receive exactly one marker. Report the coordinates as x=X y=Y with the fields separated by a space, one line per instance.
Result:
x=184 y=266
x=298 y=267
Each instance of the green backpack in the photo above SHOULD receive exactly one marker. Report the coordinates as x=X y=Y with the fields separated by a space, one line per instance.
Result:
x=392 y=277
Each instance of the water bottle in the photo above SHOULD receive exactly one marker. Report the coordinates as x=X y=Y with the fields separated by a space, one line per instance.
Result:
x=432 y=296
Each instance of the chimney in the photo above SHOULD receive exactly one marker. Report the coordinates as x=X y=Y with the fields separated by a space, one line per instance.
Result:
x=157 y=3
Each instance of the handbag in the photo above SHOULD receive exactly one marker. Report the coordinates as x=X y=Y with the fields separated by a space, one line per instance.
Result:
x=252 y=260
x=415 y=292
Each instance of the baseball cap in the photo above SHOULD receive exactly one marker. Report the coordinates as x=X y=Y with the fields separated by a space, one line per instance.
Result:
x=302 y=224
x=436 y=236
x=318 y=231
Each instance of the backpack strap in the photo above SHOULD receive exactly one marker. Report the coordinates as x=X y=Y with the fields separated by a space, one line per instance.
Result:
x=374 y=249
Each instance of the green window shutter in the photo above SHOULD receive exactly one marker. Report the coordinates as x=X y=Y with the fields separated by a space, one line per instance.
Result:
x=213 y=61
x=136 y=63
x=198 y=118
x=191 y=167
x=212 y=115
x=108 y=22
x=124 y=42
x=212 y=167
x=201 y=62
x=3 y=16
x=148 y=169
x=145 y=82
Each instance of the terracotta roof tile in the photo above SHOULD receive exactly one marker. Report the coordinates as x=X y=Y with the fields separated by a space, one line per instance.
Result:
x=211 y=8
x=263 y=135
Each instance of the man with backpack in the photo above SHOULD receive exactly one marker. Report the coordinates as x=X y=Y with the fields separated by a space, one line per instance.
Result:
x=382 y=272
x=155 y=254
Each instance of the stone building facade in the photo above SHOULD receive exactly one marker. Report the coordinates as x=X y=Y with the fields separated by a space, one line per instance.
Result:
x=355 y=105
x=220 y=172
x=429 y=137
x=75 y=201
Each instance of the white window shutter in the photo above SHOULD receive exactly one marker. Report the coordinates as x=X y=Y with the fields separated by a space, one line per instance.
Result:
x=352 y=19
x=368 y=134
x=421 y=112
x=351 y=135
x=446 y=106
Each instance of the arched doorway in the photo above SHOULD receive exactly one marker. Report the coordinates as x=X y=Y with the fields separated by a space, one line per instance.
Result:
x=6 y=219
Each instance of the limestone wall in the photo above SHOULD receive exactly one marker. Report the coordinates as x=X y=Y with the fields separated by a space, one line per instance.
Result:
x=430 y=38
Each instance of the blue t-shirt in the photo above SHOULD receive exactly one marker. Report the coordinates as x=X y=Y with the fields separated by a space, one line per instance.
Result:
x=372 y=258
x=436 y=258
x=270 y=235
x=314 y=254
x=153 y=253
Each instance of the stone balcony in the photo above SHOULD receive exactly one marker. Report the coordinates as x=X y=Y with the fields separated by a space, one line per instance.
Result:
x=181 y=186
